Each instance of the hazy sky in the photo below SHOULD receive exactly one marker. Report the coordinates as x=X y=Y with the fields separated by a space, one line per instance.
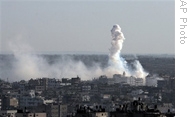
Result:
x=84 y=26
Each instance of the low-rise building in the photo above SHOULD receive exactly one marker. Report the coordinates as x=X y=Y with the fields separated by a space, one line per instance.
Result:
x=25 y=113
x=39 y=88
x=84 y=111
x=93 y=114
x=56 y=110
x=86 y=88
x=9 y=102
x=8 y=113
x=76 y=80
x=139 y=82
x=30 y=100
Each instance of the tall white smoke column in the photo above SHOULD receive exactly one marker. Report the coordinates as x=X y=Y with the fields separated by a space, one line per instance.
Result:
x=117 y=63
x=117 y=42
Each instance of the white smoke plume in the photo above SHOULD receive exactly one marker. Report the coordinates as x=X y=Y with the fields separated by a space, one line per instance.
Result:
x=119 y=64
x=28 y=65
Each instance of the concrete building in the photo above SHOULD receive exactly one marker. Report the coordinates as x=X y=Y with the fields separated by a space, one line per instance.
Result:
x=120 y=79
x=86 y=88
x=31 y=115
x=53 y=83
x=139 y=82
x=30 y=100
x=76 y=80
x=8 y=113
x=137 y=92
x=111 y=81
x=42 y=84
x=84 y=111
x=135 y=109
x=25 y=113
x=151 y=81
x=161 y=83
x=56 y=110
x=92 y=114
x=9 y=102
x=103 y=79
x=65 y=80
x=131 y=81
x=85 y=98
x=34 y=82
x=39 y=88
x=27 y=101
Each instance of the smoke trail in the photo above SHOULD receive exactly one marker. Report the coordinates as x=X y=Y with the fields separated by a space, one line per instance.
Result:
x=116 y=62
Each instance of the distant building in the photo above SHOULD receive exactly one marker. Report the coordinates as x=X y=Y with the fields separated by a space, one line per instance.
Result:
x=9 y=102
x=161 y=83
x=93 y=114
x=119 y=79
x=172 y=83
x=76 y=80
x=139 y=82
x=56 y=110
x=34 y=82
x=27 y=101
x=135 y=109
x=30 y=100
x=85 y=98
x=49 y=83
x=65 y=80
x=137 y=92
x=151 y=81
x=107 y=89
x=117 y=76
x=111 y=81
x=86 y=88
x=103 y=79
x=8 y=113
x=131 y=81
x=135 y=114
x=39 y=88
x=25 y=113
x=41 y=84
x=84 y=111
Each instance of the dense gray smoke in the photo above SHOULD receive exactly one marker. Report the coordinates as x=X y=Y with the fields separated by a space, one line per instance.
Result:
x=26 y=64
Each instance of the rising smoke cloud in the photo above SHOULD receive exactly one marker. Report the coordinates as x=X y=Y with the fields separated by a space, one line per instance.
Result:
x=28 y=65
x=119 y=64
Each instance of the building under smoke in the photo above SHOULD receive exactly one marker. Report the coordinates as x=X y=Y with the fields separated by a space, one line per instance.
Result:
x=119 y=78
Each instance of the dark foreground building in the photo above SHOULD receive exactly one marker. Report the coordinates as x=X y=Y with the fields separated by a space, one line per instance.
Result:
x=132 y=109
